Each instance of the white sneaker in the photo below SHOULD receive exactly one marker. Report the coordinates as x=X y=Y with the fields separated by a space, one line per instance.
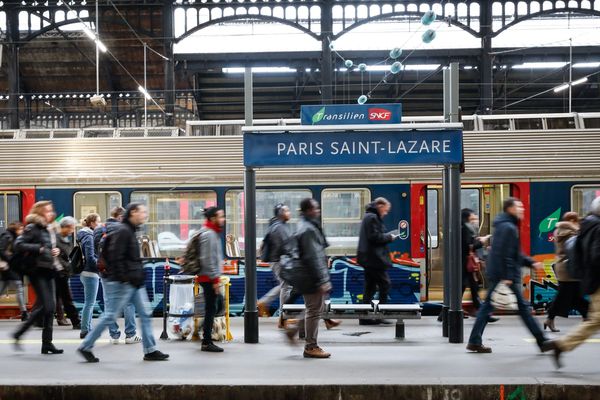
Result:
x=133 y=339
x=114 y=340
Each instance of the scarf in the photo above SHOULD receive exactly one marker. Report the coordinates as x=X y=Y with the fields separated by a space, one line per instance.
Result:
x=210 y=225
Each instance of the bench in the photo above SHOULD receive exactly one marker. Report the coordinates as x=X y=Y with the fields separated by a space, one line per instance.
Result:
x=373 y=311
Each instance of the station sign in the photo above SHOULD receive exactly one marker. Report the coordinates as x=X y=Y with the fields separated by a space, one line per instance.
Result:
x=351 y=114
x=322 y=148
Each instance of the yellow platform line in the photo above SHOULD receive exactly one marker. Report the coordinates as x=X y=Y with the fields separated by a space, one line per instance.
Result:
x=532 y=340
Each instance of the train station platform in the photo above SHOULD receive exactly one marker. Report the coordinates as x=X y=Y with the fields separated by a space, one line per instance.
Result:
x=366 y=363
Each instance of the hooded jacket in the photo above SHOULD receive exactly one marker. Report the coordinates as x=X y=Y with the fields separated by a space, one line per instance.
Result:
x=563 y=231
x=373 y=252
x=85 y=237
x=35 y=244
x=122 y=253
x=589 y=234
x=281 y=238
x=505 y=259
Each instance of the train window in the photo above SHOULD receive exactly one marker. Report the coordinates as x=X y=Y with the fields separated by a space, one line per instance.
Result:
x=561 y=123
x=266 y=199
x=468 y=124
x=528 y=124
x=95 y=202
x=469 y=198
x=173 y=217
x=581 y=198
x=433 y=216
x=342 y=211
x=10 y=204
x=591 y=122
x=496 y=124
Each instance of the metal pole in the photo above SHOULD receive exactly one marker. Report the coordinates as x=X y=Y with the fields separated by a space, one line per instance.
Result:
x=326 y=59
x=12 y=64
x=570 y=71
x=169 y=65
x=455 y=313
x=250 y=311
x=146 y=89
x=445 y=200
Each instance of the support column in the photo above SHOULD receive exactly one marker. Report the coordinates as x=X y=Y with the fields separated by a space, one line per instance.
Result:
x=445 y=248
x=250 y=311
x=485 y=68
x=169 y=65
x=12 y=66
x=28 y=112
x=114 y=110
x=326 y=59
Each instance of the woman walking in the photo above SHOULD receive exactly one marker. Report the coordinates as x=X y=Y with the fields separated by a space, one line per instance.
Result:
x=90 y=277
x=37 y=245
x=569 y=294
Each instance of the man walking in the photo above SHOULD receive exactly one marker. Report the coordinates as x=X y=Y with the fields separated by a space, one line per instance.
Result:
x=125 y=284
x=314 y=282
x=64 y=241
x=116 y=216
x=504 y=265
x=588 y=246
x=373 y=254
x=279 y=237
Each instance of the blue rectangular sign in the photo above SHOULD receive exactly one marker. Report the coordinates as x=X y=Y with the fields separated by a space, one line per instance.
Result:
x=350 y=114
x=266 y=149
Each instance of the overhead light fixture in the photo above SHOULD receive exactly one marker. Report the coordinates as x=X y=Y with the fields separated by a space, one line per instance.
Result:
x=101 y=45
x=560 y=88
x=586 y=65
x=540 y=65
x=145 y=93
x=579 y=81
x=566 y=85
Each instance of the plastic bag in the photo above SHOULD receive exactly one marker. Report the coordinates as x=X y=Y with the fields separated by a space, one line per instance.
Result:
x=503 y=298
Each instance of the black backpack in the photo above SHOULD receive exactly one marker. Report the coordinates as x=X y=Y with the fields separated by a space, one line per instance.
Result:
x=77 y=259
x=266 y=248
x=191 y=257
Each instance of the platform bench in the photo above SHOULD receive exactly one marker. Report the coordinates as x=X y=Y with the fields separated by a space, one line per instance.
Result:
x=372 y=311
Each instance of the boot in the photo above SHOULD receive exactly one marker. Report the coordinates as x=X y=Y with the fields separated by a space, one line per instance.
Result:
x=48 y=348
x=24 y=316
x=549 y=323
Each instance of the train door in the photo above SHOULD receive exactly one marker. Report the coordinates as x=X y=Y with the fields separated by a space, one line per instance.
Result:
x=10 y=210
x=485 y=200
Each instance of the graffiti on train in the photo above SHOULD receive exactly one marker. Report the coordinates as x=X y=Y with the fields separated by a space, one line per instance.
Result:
x=347 y=280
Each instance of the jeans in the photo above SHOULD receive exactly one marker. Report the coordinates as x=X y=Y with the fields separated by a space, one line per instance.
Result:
x=128 y=313
x=210 y=304
x=18 y=285
x=283 y=290
x=524 y=312
x=42 y=280
x=90 y=292
x=120 y=295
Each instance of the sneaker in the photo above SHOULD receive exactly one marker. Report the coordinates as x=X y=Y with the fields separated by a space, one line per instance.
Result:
x=82 y=334
x=133 y=339
x=212 y=348
x=88 y=355
x=479 y=348
x=315 y=352
x=114 y=340
x=156 y=356
x=63 y=322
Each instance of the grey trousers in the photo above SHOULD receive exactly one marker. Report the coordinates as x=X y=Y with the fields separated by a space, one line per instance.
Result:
x=283 y=290
x=314 y=306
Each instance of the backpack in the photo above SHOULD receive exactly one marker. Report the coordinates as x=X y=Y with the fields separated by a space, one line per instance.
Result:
x=102 y=263
x=266 y=248
x=77 y=259
x=191 y=257
x=574 y=259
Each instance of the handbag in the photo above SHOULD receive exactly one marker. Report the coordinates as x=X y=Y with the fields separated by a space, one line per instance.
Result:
x=503 y=298
x=473 y=262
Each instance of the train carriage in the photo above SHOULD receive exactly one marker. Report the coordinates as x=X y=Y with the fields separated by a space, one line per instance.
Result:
x=550 y=161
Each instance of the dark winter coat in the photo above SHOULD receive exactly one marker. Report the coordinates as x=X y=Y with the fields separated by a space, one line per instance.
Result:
x=109 y=225
x=505 y=259
x=35 y=244
x=589 y=234
x=469 y=243
x=7 y=253
x=122 y=253
x=373 y=252
x=312 y=258
x=281 y=239
x=65 y=244
x=85 y=237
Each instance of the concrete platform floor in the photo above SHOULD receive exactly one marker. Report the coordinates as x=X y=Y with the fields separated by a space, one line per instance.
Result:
x=367 y=362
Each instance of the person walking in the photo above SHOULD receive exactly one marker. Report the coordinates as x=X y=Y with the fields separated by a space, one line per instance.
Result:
x=280 y=243
x=211 y=269
x=470 y=243
x=13 y=275
x=63 y=291
x=588 y=241
x=314 y=282
x=90 y=276
x=125 y=283
x=504 y=265
x=373 y=254
x=39 y=254
x=569 y=295
x=100 y=232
